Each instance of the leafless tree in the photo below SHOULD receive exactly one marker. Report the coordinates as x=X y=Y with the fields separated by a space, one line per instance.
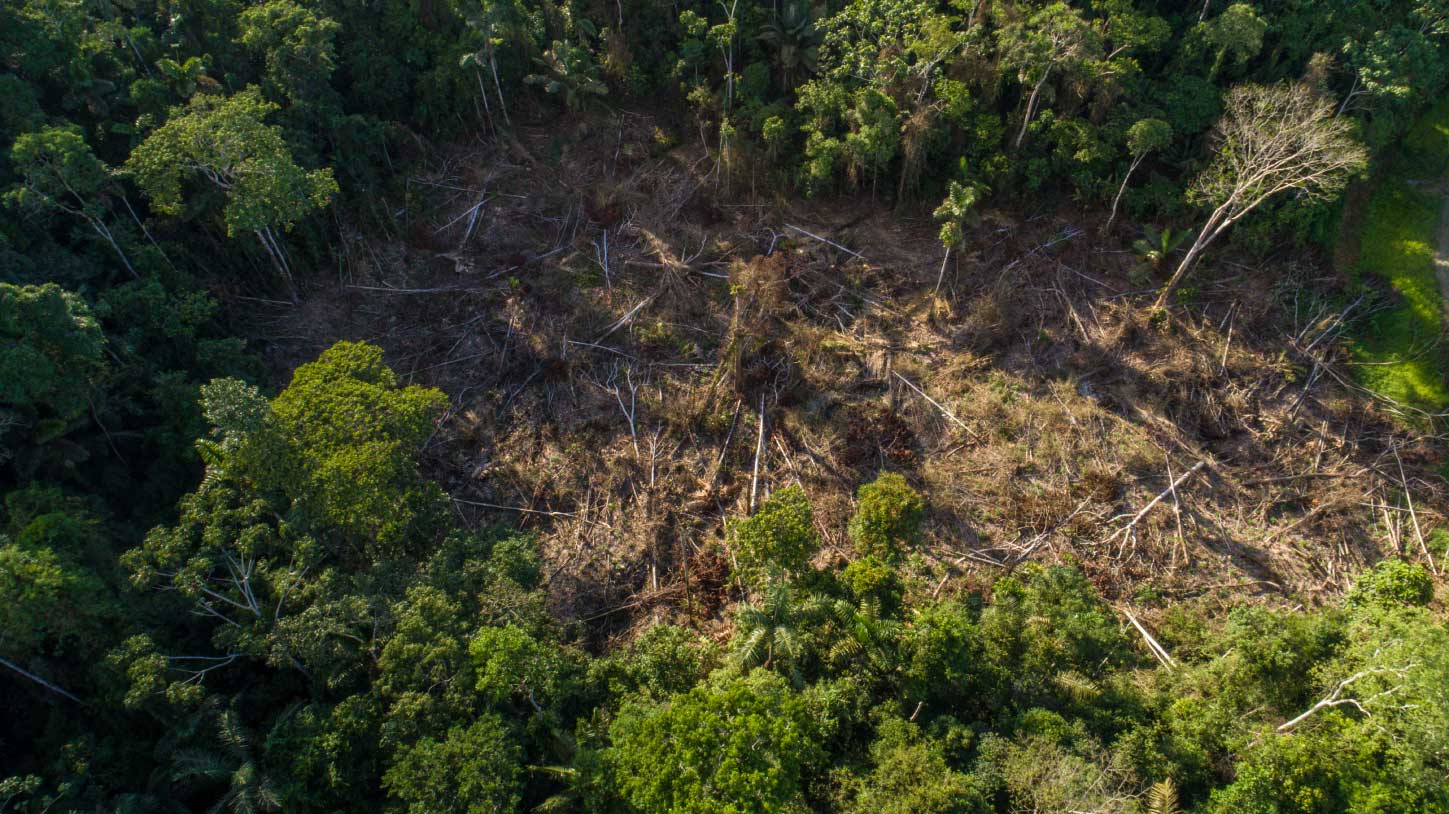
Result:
x=1336 y=698
x=1271 y=139
x=629 y=410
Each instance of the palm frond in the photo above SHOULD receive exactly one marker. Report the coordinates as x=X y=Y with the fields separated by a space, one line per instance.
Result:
x=199 y=764
x=1079 y=687
x=231 y=733
x=1162 y=798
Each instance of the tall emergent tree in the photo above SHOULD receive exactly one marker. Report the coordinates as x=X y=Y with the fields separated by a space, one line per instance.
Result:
x=1271 y=138
x=225 y=141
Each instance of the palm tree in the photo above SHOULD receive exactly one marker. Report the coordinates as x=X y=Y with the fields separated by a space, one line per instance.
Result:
x=229 y=764
x=863 y=635
x=794 y=42
x=569 y=72
x=773 y=632
x=957 y=212
x=1162 y=798
x=1154 y=247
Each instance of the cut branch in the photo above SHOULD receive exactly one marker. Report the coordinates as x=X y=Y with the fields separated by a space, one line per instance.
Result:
x=1171 y=489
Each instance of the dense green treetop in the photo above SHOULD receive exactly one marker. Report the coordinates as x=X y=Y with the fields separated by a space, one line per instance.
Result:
x=739 y=746
x=224 y=141
x=52 y=356
x=779 y=537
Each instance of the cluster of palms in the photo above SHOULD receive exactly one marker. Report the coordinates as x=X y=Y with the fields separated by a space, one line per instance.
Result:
x=788 y=629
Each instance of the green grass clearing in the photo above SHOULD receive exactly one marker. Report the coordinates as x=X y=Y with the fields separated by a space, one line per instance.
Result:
x=1398 y=245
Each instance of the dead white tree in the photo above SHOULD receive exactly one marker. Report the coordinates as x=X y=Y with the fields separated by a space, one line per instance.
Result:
x=1271 y=139
x=629 y=410
x=1336 y=698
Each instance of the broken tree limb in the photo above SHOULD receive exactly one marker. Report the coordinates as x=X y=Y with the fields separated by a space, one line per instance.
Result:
x=624 y=320
x=1171 y=489
x=38 y=680
x=826 y=241
x=1413 y=516
x=452 y=289
x=1158 y=651
x=759 y=448
x=470 y=212
x=525 y=510
x=1336 y=699
x=936 y=404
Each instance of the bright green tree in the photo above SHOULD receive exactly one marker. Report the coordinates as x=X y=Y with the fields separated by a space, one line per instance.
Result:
x=909 y=775
x=779 y=538
x=1394 y=583
x=517 y=667
x=348 y=436
x=742 y=745
x=226 y=142
x=888 y=516
x=474 y=769
x=299 y=493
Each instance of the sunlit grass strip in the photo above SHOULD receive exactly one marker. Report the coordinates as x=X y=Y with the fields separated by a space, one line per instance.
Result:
x=1396 y=348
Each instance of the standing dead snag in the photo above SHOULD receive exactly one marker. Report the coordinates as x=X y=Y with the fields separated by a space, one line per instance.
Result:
x=1271 y=138
x=630 y=411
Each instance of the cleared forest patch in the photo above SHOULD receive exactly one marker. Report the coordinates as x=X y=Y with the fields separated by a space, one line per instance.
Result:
x=634 y=354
